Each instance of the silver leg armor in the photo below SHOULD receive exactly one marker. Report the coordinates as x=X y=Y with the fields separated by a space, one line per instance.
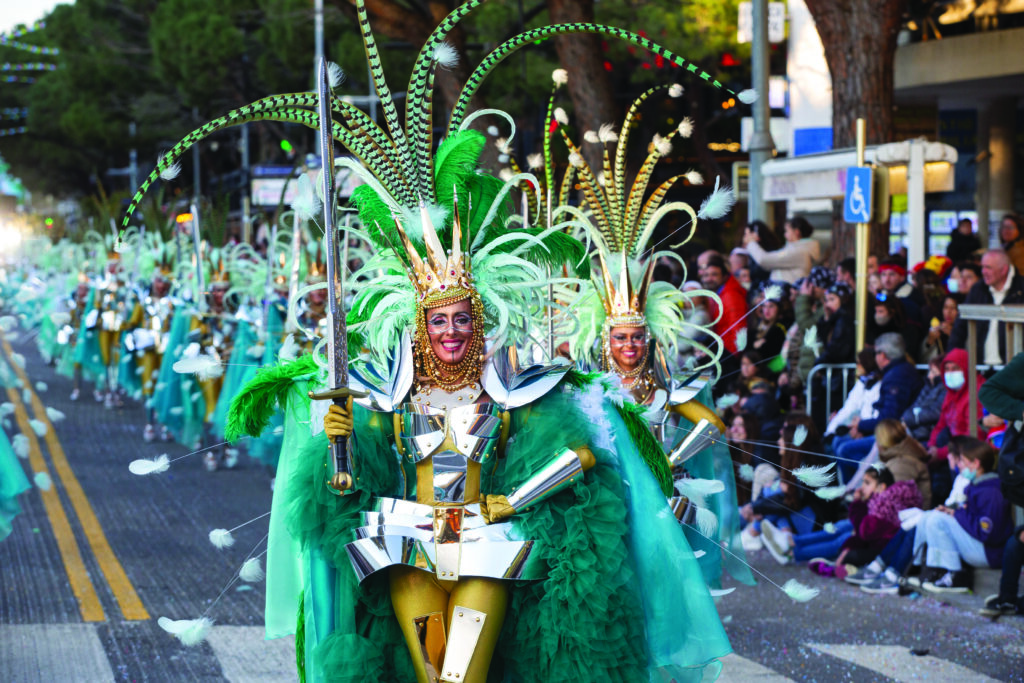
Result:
x=430 y=632
x=702 y=436
x=467 y=624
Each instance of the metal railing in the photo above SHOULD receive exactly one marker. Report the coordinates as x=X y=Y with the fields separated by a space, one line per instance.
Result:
x=1013 y=316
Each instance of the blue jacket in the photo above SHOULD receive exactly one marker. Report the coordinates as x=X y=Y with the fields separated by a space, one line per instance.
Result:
x=930 y=403
x=986 y=516
x=901 y=383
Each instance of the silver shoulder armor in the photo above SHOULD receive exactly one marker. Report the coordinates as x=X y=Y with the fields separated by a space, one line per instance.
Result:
x=385 y=387
x=680 y=389
x=513 y=386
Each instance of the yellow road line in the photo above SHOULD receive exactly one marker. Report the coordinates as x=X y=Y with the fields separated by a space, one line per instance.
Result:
x=78 y=576
x=124 y=592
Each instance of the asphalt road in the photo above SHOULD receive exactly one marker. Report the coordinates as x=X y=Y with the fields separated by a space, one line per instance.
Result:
x=94 y=561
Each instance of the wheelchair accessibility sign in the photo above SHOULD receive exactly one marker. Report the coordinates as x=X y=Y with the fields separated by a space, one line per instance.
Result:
x=857 y=202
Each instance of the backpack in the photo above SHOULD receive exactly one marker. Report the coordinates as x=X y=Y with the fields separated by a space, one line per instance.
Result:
x=1011 y=465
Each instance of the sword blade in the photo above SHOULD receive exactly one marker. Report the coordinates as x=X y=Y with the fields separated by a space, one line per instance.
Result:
x=337 y=346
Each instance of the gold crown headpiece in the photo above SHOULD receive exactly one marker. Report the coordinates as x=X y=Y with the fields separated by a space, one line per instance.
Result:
x=317 y=271
x=444 y=277
x=221 y=276
x=624 y=305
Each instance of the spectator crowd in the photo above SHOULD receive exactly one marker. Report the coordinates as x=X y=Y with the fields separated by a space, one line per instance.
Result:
x=916 y=502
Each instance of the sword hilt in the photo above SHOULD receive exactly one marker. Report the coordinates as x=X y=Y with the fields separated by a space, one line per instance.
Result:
x=341 y=480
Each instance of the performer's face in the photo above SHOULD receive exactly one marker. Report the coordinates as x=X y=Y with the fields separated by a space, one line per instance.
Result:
x=161 y=286
x=450 y=329
x=217 y=295
x=628 y=346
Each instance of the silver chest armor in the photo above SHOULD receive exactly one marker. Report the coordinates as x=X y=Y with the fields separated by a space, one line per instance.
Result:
x=471 y=432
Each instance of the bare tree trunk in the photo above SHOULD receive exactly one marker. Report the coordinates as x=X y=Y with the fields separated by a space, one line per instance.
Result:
x=588 y=84
x=859 y=37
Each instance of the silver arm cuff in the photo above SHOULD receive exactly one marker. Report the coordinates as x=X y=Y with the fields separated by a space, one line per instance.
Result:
x=559 y=473
x=703 y=435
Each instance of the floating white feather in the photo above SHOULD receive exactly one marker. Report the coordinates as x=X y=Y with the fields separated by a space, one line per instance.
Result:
x=773 y=293
x=816 y=476
x=142 y=467
x=6 y=408
x=697 y=490
x=505 y=174
x=799 y=435
x=42 y=481
x=746 y=472
x=675 y=90
x=202 y=366
x=798 y=592
x=741 y=338
x=171 y=172
x=59 y=319
x=8 y=323
x=222 y=538
x=38 y=426
x=446 y=55
x=256 y=351
x=534 y=161
x=26 y=395
x=561 y=116
x=54 y=415
x=606 y=133
x=188 y=631
x=20 y=445
x=685 y=127
x=335 y=75
x=492 y=130
x=176 y=410
x=697 y=554
x=727 y=401
x=41 y=387
x=707 y=522
x=719 y=592
x=289 y=349
x=251 y=570
x=830 y=492
x=306 y=204
x=718 y=203
x=829 y=527
x=811 y=340
x=19 y=360
x=748 y=96
x=591 y=137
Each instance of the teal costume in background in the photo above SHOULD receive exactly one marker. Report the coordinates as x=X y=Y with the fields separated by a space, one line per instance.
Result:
x=12 y=483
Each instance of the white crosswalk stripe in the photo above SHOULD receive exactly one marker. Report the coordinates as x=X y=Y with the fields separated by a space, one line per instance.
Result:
x=736 y=669
x=52 y=652
x=245 y=656
x=899 y=663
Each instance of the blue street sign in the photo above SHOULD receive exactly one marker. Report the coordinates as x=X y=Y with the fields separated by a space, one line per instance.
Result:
x=857 y=202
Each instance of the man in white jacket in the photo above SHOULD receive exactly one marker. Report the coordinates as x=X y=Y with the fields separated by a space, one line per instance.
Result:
x=795 y=259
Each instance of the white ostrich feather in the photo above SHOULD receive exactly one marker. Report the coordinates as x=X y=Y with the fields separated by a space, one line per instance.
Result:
x=741 y=338
x=799 y=435
x=663 y=146
x=718 y=203
x=221 y=538
x=811 y=340
x=505 y=174
x=773 y=292
x=202 y=366
x=335 y=75
x=798 y=592
x=306 y=204
x=816 y=476
x=534 y=161
x=694 y=177
x=142 y=467
x=830 y=492
x=171 y=172
x=606 y=133
x=727 y=401
x=502 y=145
x=746 y=473
x=54 y=415
x=748 y=96
x=675 y=90
x=707 y=522
x=446 y=55
x=188 y=631
x=560 y=76
x=289 y=350
x=697 y=490
x=561 y=116
x=685 y=127
x=20 y=444
x=251 y=570
x=576 y=159
x=42 y=481
x=591 y=137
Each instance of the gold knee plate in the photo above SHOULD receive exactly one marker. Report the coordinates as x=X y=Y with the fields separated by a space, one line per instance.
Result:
x=467 y=624
x=430 y=633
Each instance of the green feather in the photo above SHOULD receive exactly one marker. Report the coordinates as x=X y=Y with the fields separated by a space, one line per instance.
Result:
x=561 y=250
x=256 y=402
x=300 y=638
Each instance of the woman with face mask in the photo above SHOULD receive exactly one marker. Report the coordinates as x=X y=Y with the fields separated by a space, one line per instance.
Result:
x=954 y=417
x=888 y=315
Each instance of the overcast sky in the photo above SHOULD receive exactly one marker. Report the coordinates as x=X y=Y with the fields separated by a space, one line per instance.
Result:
x=14 y=12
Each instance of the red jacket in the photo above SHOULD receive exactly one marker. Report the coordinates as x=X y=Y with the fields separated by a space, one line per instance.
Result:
x=734 y=305
x=955 y=411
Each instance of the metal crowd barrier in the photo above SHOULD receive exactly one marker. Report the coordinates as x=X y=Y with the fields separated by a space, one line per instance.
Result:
x=1013 y=316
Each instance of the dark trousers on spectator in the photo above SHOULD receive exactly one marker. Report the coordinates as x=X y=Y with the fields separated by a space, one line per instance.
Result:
x=1013 y=561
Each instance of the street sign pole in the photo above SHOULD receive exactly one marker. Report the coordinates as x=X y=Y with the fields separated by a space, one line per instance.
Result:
x=862 y=250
